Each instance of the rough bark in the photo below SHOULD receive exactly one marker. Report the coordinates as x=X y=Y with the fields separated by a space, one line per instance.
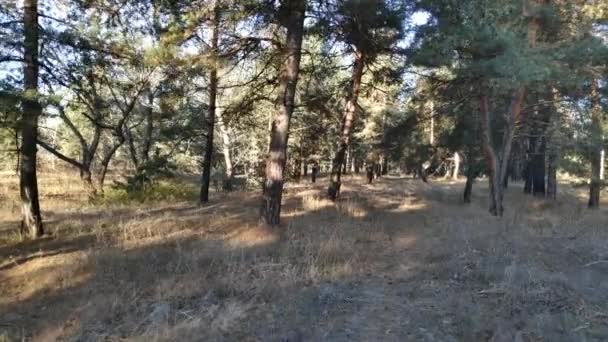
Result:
x=28 y=183
x=468 y=187
x=497 y=162
x=149 y=130
x=596 y=148
x=106 y=159
x=314 y=173
x=491 y=159
x=213 y=83
x=536 y=168
x=348 y=120
x=270 y=211
x=551 y=192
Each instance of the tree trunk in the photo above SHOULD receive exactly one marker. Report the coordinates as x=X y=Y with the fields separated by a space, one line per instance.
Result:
x=596 y=147
x=149 y=130
x=226 y=147
x=105 y=163
x=552 y=176
x=497 y=163
x=456 y=166
x=297 y=167
x=28 y=182
x=491 y=159
x=602 y=166
x=468 y=187
x=270 y=211
x=213 y=84
x=348 y=120
x=538 y=170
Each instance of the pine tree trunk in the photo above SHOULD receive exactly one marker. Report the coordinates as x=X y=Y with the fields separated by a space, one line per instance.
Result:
x=28 y=183
x=456 y=166
x=491 y=162
x=270 y=211
x=85 y=176
x=348 y=120
x=538 y=171
x=596 y=148
x=552 y=176
x=226 y=147
x=213 y=84
x=468 y=187
x=105 y=162
x=149 y=130
x=497 y=163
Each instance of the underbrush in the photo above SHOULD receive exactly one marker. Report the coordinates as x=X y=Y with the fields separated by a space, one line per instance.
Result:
x=166 y=190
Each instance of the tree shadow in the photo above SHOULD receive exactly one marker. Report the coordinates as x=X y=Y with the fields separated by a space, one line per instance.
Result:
x=393 y=260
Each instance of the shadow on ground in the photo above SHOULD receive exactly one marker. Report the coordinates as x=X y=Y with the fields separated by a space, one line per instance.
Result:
x=395 y=260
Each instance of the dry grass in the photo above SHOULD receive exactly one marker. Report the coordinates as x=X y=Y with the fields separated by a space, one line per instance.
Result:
x=396 y=260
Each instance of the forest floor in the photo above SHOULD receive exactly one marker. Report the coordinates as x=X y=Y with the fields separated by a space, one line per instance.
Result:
x=398 y=260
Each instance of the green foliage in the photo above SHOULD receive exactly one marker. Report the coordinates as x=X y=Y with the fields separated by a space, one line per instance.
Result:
x=165 y=190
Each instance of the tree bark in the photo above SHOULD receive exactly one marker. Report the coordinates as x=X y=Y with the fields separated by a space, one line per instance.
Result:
x=536 y=168
x=491 y=159
x=551 y=192
x=105 y=161
x=28 y=182
x=270 y=210
x=226 y=150
x=596 y=147
x=149 y=130
x=468 y=187
x=348 y=120
x=456 y=166
x=213 y=85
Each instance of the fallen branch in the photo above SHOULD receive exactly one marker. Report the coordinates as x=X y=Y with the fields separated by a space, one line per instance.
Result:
x=596 y=262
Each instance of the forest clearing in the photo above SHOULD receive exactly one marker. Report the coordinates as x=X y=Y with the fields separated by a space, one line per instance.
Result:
x=396 y=260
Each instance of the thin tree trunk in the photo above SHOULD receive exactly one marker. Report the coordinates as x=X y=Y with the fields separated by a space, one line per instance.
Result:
x=149 y=130
x=348 y=120
x=498 y=162
x=28 y=182
x=596 y=148
x=213 y=84
x=602 y=166
x=551 y=192
x=491 y=160
x=105 y=163
x=456 y=166
x=226 y=147
x=468 y=187
x=538 y=171
x=270 y=210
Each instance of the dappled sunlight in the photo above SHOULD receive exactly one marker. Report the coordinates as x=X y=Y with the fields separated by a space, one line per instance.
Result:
x=44 y=276
x=405 y=241
x=352 y=209
x=380 y=253
x=313 y=202
x=407 y=206
x=254 y=236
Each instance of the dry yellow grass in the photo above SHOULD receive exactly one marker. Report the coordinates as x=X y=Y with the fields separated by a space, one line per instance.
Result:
x=396 y=260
